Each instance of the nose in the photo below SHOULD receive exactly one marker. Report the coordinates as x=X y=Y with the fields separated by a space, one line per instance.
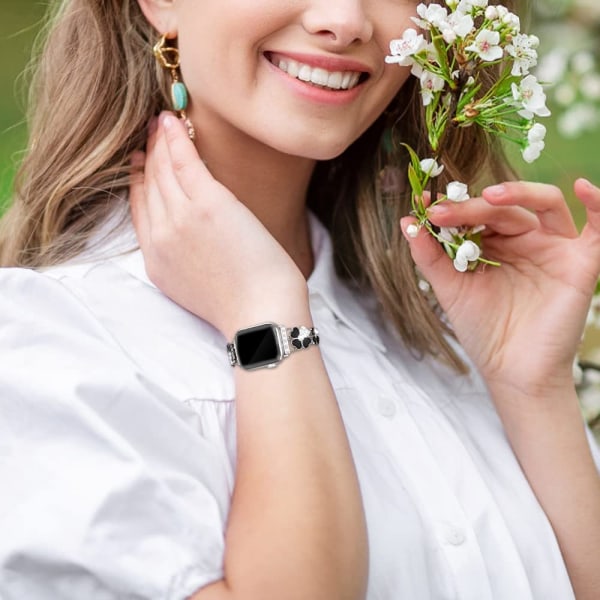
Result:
x=340 y=23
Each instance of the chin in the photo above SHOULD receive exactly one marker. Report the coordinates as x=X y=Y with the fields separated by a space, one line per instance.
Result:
x=315 y=149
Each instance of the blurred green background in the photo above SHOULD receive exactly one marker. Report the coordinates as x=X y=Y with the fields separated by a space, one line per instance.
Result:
x=20 y=21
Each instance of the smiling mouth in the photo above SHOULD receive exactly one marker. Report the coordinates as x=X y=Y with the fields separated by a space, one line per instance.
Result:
x=317 y=76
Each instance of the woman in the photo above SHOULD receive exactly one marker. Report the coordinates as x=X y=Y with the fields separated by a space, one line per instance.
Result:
x=373 y=462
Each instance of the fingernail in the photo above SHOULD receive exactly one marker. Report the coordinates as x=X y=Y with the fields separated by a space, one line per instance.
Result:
x=169 y=120
x=587 y=183
x=438 y=209
x=496 y=190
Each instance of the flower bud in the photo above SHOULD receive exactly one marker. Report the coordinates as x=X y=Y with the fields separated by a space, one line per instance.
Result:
x=491 y=13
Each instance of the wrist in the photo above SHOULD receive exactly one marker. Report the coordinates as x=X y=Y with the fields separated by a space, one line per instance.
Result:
x=532 y=390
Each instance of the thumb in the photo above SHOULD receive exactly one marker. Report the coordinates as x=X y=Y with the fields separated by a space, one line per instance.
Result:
x=431 y=259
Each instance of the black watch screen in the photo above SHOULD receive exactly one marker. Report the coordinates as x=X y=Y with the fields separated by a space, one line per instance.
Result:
x=257 y=346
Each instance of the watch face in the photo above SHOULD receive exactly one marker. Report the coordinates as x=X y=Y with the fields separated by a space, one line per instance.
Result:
x=257 y=346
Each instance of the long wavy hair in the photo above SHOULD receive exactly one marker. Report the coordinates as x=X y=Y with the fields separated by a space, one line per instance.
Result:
x=95 y=87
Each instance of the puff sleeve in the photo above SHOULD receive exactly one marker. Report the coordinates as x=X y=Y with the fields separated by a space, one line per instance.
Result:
x=106 y=491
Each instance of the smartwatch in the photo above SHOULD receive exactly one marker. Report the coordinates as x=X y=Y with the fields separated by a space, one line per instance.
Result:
x=266 y=345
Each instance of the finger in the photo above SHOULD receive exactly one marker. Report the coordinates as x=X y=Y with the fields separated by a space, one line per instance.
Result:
x=190 y=171
x=547 y=201
x=137 y=193
x=162 y=187
x=505 y=220
x=589 y=194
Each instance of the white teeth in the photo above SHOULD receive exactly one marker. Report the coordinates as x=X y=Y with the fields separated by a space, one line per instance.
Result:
x=293 y=68
x=319 y=76
x=305 y=73
x=335 y=80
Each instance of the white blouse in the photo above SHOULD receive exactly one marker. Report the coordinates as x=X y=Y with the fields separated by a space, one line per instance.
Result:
x=117 y=447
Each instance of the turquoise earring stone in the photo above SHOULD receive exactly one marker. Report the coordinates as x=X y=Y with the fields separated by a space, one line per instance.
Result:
x=179 y=96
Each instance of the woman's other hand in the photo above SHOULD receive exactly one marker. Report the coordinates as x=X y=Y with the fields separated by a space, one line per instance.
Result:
x=202 y=247
x=521 y=322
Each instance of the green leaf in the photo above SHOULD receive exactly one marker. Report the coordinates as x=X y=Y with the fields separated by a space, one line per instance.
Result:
x=414 y=159
x=415 y=182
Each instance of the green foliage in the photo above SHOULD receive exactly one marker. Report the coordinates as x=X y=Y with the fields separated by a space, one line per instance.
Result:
x=19 y=25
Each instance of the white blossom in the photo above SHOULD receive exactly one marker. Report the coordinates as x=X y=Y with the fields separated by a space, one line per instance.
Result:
x=432 y=15
x=491 y=13
x=486 y=45
x=467 y=252
x=457 y=191
x=417 y=70
x=530 y=95
x=460 y=24
x=449 y=35
x=430 y=84
x=469 y=6
x=537 y=133
x=533 y=151
x=431 y=167
x=402 y=50
x=523 y=50
x=447 y=234
x=412 y=230
x=512 y=21
x=535 y=139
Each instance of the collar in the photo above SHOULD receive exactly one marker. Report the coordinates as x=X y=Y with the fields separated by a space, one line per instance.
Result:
x=354 y=309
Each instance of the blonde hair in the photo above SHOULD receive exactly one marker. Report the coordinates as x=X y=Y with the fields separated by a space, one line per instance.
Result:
x=95 y=88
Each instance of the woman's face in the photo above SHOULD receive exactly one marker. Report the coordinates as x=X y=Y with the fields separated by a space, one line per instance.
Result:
x=245 y=63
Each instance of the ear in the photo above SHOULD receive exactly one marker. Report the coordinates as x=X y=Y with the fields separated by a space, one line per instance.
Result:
x=161 y=15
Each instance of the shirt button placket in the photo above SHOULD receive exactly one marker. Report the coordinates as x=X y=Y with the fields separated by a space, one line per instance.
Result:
x=455 y=536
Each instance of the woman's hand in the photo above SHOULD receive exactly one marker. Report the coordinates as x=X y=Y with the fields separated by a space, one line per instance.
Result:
x=202 y=247
x=521 y=322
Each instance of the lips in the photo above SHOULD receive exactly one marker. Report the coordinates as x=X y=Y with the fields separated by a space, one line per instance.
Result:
x=340 y=79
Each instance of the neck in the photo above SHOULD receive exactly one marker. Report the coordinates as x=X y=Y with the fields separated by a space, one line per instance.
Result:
x=271 y=184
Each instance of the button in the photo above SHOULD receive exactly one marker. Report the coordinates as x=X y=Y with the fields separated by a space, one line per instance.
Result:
x=387 y=407
x=455 y=536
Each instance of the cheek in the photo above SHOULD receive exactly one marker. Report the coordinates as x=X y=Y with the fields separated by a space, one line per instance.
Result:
x=393 y=81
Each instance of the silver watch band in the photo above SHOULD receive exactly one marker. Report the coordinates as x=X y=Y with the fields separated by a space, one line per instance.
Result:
x=290 y=340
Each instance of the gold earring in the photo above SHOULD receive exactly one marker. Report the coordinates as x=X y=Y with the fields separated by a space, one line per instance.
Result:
x=168 y=58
